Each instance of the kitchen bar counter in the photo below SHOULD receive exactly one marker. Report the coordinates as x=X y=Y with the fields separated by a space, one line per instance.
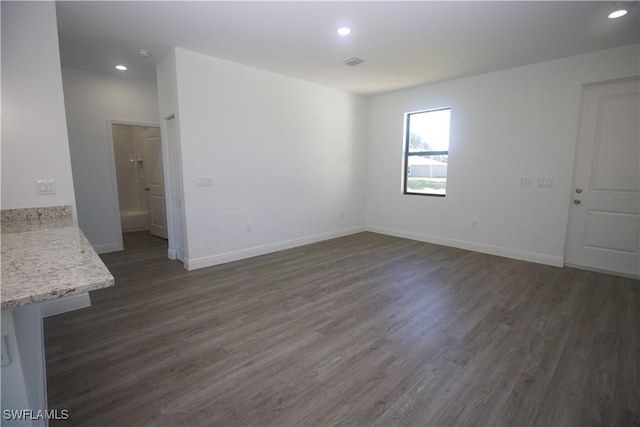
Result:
x=49 y=263
x=45 y=257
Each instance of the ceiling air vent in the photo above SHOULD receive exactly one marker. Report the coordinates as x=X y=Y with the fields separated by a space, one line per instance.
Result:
x=352 y=62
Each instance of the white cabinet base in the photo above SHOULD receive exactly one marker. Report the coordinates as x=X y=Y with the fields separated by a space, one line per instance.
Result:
x=24 y=381
x=63 y=305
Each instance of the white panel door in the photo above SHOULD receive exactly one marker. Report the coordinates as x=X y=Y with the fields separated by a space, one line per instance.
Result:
x=176 y=187
x=604 y=223
x=155 y=183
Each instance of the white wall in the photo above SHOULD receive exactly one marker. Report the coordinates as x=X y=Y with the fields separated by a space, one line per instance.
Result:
x=286 y=158
x=168 y=106
x=34 y=133
x=167 y=85
x=91 y=100
x=13 y=385
x=505 y=125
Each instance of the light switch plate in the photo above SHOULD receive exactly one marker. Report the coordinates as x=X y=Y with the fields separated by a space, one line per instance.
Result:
x=45 y=187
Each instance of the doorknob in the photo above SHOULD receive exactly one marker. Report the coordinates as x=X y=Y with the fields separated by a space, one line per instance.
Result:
x=578 y=190
x=577 y=201
x=146 y=188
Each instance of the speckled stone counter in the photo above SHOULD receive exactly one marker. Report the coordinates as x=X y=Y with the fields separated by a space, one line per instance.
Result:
x=45 y=257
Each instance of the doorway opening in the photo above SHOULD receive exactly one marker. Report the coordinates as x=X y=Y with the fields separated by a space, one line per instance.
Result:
x=140 y=179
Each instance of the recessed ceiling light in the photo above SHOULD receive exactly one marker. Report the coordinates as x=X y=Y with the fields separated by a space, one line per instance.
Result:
x=121 y=68
x=344 y=31
x=618 y=13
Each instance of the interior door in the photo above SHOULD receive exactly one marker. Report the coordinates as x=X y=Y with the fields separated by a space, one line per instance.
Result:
x=604 y=223
x=155 y=183
x=176 y=187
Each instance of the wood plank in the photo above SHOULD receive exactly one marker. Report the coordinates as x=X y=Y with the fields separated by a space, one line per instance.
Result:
x=362 y=330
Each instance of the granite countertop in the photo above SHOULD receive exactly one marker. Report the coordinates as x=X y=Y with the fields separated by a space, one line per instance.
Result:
x=45 y=257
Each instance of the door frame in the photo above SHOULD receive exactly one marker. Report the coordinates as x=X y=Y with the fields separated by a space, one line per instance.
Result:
x=173 y=163
x=153 y=228
x=114 y=176
x=575 y=168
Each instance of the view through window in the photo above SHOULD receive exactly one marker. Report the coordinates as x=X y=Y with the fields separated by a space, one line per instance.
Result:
x=427 y=152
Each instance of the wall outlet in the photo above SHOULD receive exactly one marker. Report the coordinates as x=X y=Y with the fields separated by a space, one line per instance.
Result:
x=204 y=181
x=545 y=182
x=525 y=182
x=45 y=187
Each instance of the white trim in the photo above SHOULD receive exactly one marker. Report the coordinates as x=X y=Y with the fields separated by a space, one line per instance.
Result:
x=472 y=246
x=108 y=247
x=63 y=305
x=193 y=264
x=130 y=123
x=603 y=271
x=173 y=184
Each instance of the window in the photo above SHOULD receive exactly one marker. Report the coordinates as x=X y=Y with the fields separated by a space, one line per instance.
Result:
x=426 y=152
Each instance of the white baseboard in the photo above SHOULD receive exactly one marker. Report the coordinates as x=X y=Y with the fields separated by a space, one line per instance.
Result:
x=472 y=246
x=603 y=271
x=63 y=305
x=108 y=247
x=193 y=264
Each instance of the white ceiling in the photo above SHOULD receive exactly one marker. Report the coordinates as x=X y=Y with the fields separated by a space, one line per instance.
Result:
x=403 y=44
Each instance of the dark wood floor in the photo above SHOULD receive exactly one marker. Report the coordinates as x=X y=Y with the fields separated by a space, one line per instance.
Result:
x=362 y=330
